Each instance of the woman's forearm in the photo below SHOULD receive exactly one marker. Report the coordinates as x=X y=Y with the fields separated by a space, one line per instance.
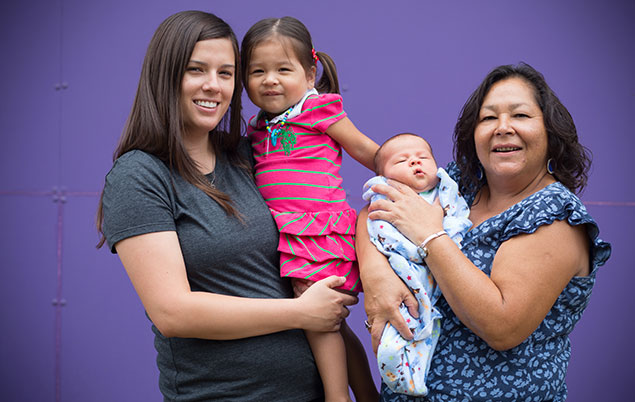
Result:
x=528 y=274
x=471 y=294
x=156 y=269
x=383 y=290
x=212 y=316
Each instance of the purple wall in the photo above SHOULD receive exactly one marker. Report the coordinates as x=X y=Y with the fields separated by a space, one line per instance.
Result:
x=72 y=327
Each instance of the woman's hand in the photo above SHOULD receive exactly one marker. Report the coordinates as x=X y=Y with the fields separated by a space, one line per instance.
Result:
x=382 y=298
x=324 y=307
x=413 y=216
x=383 y=290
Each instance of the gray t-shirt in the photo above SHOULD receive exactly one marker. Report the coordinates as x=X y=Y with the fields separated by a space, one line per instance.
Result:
x=224 y=256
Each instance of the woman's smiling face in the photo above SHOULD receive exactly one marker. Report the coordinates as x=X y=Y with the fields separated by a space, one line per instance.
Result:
x=510 y=136
x=207 y=85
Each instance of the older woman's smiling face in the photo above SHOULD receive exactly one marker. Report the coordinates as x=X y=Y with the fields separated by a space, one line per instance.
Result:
x=510 y=137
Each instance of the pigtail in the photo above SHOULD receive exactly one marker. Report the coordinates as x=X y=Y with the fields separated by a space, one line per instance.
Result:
x=328 y=82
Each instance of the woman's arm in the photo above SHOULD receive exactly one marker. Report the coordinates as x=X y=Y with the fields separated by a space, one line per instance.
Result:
x=155 y=266
x=383 y=290
x=354 y=142
x=529 y=271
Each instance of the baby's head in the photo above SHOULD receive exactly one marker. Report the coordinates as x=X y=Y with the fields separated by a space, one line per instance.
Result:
x=408 y=159
x=279 y=64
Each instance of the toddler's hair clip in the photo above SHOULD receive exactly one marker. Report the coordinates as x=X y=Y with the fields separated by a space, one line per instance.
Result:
x=315 y=56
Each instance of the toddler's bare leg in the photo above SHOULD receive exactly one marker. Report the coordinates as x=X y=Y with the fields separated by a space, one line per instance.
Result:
x=330 y=357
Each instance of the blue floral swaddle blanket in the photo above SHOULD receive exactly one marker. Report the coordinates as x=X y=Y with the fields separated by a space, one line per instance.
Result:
x=403 y=363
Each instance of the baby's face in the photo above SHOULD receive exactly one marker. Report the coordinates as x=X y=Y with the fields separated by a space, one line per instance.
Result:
x=409 y=159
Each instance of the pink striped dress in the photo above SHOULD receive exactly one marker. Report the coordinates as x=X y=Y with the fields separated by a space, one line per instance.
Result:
x=302 y=187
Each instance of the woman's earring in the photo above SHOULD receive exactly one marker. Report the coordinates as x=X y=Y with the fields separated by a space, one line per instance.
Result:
x=550 y=166
x=479 y=172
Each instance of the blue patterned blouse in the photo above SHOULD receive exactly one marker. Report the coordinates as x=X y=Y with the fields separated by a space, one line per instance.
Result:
x=464 y=367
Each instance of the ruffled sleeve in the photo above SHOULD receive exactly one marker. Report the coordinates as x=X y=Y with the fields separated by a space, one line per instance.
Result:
x=556 y=202
x=321 y=111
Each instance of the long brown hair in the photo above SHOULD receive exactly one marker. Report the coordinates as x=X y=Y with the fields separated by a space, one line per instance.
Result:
x=299 y=38
x=155 y=124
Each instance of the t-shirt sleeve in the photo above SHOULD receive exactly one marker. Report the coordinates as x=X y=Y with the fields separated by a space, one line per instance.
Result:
x=320 y=111
x=137 y=198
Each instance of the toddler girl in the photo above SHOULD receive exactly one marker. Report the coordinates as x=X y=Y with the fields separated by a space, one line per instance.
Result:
x=297 y=138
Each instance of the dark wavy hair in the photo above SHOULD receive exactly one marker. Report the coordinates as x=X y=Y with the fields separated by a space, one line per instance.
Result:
x=291 y=29
x=155 y=123
x=571 y=160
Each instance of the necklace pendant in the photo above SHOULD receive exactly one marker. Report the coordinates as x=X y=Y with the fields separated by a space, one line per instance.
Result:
x=274 y=137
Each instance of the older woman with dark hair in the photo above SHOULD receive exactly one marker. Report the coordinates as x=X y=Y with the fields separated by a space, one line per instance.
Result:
x=523 y=275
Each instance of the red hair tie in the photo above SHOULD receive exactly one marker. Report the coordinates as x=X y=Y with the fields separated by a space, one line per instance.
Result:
x=315 y=56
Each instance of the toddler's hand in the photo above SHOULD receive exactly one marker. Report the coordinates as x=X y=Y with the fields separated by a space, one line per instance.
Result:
x=300 y=286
